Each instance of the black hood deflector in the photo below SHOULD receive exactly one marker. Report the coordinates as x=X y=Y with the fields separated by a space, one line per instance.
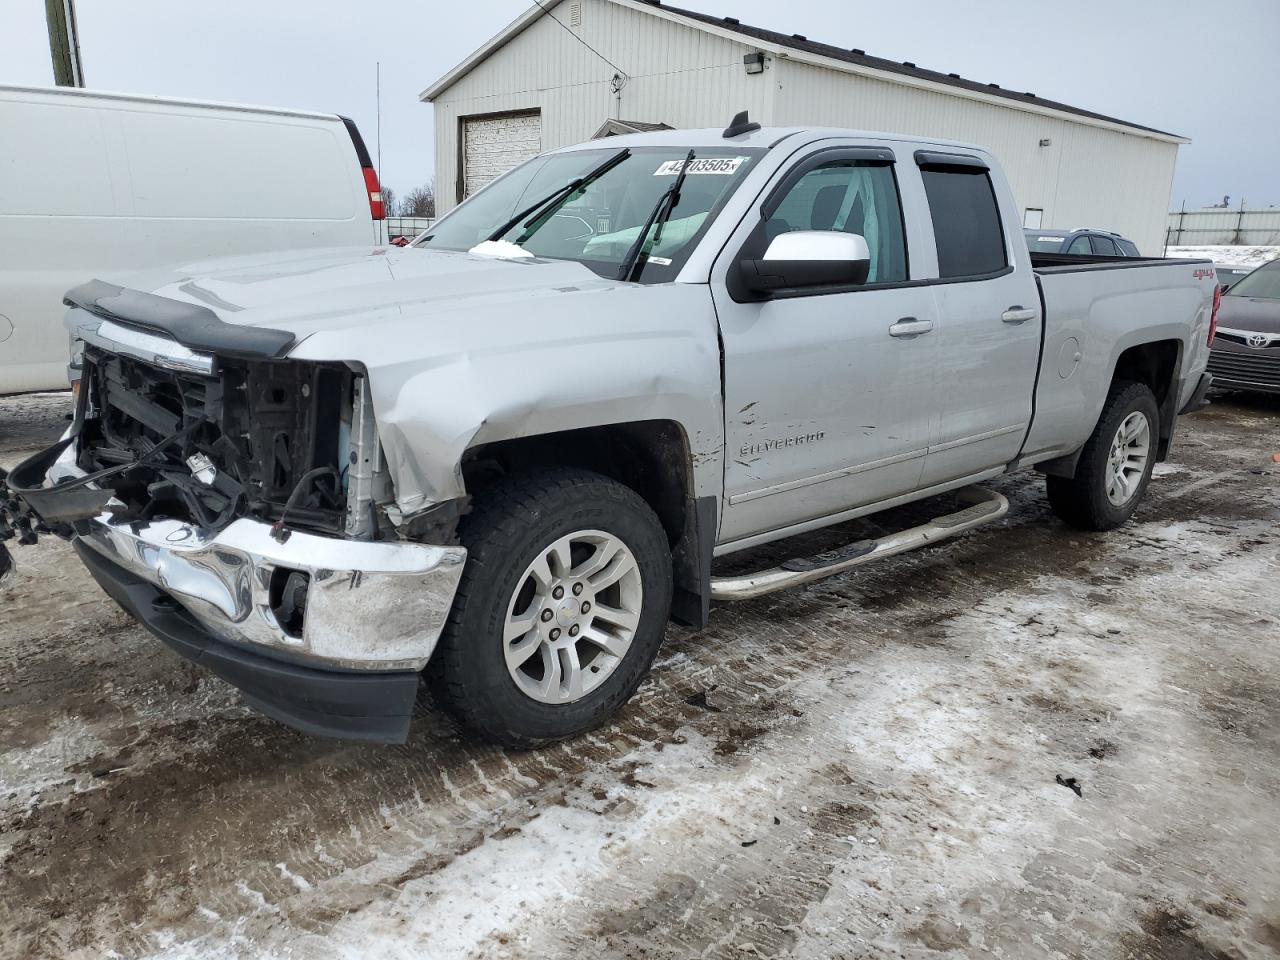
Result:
x=190 y=324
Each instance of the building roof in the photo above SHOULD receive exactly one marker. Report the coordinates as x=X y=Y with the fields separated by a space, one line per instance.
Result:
x=906 y=68
x=811 y=50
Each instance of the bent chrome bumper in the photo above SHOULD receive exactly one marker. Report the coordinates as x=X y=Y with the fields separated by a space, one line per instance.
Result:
x=340 y=659
x=369 y=606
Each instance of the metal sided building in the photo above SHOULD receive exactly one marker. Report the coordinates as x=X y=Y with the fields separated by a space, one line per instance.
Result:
x=570 y=70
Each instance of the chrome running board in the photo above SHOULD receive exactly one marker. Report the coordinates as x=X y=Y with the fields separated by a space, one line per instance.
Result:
x=985 y=506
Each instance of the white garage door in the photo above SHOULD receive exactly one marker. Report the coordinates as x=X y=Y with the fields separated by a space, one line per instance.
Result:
x=493 y=145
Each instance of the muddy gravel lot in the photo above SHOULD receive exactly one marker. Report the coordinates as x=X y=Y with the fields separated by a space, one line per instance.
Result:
x=869 y=767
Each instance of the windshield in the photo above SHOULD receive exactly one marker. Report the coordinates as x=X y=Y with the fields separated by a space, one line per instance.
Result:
x=598 y=223
x=1263 y=282
x=1042 y=243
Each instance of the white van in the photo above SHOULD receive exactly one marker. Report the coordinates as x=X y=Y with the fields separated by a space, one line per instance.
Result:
x=95 y=185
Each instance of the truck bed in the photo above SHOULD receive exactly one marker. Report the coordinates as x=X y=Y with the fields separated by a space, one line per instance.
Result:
x=1095 y=308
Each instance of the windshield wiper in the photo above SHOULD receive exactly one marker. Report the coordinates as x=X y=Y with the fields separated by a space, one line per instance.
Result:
x=631 y=263
x=562 y=194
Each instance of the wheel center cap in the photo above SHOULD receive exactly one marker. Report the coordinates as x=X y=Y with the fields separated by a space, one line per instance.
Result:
x=567 y=612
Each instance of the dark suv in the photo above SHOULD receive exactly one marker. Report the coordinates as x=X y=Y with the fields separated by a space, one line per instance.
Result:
x=1089 y=243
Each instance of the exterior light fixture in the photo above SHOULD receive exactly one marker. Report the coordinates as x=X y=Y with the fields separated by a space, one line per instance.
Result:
x=1046 y=142
x=754 y=62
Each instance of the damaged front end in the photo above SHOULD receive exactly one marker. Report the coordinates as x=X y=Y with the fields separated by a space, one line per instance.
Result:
x=236 y=503
x=274 y=441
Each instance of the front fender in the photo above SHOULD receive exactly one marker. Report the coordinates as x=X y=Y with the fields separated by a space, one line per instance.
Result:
x=587 y=357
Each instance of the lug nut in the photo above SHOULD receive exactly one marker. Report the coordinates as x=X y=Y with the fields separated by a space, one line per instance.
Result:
x=586 y=607
x=558 y=592
x=573 y=631
x=577 y=589
x=555 y=633
x=547 y=615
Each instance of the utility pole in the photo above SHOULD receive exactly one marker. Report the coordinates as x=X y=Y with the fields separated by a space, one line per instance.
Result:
x=64 y=43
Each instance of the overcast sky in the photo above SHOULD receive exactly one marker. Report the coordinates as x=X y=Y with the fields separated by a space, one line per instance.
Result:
x=1201 y=70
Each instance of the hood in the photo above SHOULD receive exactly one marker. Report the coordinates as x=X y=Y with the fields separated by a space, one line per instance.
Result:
x=1255 y=314
x=306 y=292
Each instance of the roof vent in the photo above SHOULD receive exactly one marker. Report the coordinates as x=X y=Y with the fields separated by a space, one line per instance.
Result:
x=739 y=126
x=996 y=85
x=861 y=53
x=954 y=76
x=908 y=63
x=732 y=20
x=1031 y=95
x=798 y=36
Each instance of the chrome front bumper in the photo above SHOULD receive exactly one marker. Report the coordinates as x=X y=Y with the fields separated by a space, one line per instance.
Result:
x=370 y=605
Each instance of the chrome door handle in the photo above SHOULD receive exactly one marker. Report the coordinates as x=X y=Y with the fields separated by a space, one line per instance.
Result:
x=1018 y=314
x=910 y=327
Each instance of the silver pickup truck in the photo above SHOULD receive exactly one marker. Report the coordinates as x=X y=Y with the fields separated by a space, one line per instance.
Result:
x=508 y=454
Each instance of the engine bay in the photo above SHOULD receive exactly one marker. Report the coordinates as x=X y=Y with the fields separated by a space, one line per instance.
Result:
x=274 y=440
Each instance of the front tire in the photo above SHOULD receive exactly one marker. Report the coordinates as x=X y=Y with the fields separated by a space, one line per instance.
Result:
x=560 y=611
x=1115 y=466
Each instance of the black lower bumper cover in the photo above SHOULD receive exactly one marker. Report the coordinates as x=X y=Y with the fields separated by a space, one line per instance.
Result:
x=349 y=705
x=1197 y=399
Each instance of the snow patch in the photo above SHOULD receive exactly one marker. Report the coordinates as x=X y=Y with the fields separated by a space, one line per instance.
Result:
x=1227 y=256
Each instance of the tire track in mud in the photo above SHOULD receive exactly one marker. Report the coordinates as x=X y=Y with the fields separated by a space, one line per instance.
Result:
x=1047 y=705
x=220 y=816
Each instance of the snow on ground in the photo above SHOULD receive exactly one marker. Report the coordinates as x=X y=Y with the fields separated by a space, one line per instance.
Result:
x=1227 y=256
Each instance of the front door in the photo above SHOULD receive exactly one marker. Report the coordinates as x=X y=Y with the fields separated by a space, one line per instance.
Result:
x=828 y=392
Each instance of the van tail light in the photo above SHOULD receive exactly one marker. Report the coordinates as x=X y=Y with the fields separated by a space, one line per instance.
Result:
x=376 y=206
x=1213 y=317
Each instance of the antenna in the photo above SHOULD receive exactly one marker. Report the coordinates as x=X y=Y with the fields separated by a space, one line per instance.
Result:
x=740 y=125
x=377 y=97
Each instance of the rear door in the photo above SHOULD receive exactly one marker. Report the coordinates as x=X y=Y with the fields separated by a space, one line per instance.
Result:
x=989 y=318
x=828 y=397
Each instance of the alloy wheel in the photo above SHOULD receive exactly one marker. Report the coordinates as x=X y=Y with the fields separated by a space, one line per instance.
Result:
x=572 y=617
x=1130 y=450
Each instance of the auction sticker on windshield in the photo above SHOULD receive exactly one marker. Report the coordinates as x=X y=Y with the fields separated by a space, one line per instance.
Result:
x=726 y=166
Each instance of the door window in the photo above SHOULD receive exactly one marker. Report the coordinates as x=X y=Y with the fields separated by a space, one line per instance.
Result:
x=850 y=196
x=966 y=221
x=1080 y=245
x=1103 y=247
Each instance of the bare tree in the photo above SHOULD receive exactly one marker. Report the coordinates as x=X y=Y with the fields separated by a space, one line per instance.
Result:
x=389 y=202
x=420 y=201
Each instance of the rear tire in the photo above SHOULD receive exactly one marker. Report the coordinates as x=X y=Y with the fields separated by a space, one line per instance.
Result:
x=521 y=662
x=1115 y=466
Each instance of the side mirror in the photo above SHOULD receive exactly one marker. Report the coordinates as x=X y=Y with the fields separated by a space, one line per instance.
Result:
x=809 y=258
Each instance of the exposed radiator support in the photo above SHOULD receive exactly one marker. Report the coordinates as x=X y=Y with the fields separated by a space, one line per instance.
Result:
x=366 y=478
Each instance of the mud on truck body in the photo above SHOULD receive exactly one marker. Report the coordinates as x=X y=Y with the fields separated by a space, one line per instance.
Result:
x=507 y=455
